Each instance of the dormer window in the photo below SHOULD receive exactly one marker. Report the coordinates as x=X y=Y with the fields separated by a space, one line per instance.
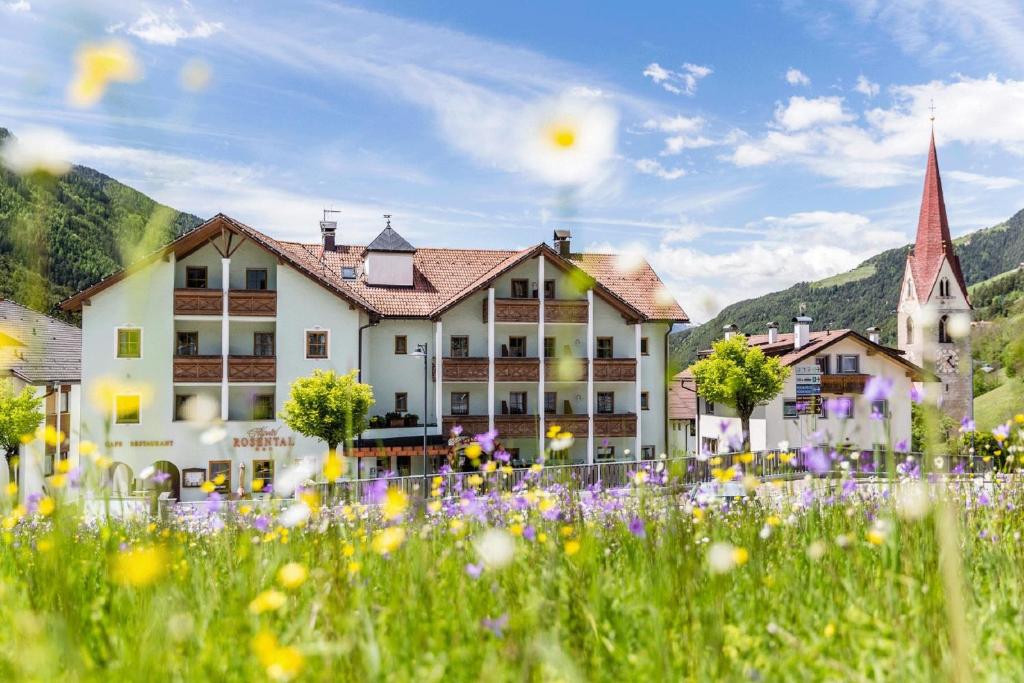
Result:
x=389 y=259
x=348 y=273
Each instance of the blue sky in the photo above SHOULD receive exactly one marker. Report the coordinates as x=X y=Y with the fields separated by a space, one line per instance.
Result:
x=740 y=146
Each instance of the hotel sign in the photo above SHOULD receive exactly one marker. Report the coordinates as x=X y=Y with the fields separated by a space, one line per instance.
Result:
x=808 y=380
x=141 y=443
x=263 y=439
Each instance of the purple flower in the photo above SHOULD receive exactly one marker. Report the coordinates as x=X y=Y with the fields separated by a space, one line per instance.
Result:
x=161 y=477
x=636 y=527
x=496 y=626
x=983 y=499
x=1002 y=431
x=839 y=406
x=878 y=388
x=457 y=431
x=966 y=425
x=916 y=393
x=213 y=504
x=723 y=426
x=375 y=491
x=486 y=440
x=502 y=456
x=474 y=570
x=261 y=523
x=959 y=468
x=815 y=460
x=902 y=446
x=529 y=533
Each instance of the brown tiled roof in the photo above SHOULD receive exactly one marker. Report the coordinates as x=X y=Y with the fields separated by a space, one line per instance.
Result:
x=441 y=277
x=682 y=397
x=37 y=348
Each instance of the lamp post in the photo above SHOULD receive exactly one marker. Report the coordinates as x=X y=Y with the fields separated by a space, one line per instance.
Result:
x=422 y=350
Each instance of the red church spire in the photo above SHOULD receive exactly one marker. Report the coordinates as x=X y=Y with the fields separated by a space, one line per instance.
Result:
x=933 y=243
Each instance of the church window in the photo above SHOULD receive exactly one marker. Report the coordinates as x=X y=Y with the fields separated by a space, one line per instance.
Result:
x=910 y=330
x=944 y=337
x=944 y=287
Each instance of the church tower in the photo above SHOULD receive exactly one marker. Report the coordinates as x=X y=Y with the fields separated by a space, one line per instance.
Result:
x=934 y=312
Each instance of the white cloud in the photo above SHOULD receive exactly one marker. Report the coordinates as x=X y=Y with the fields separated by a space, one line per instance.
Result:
x=675 y=124
x=165 y=29
x=652 y=167
x=797 y=77
x=802 y=112
x=18 y=6
x=866 y=87
x=682 y=82
x=685 y=134
x=983 y=181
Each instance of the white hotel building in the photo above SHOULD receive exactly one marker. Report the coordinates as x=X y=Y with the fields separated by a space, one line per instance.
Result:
x=209 y=332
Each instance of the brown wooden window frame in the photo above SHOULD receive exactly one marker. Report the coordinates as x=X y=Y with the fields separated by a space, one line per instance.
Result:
x=511 y=352
x=463 y=403
x=524 y=408
x=264 y=464
x=549 y=289
x=549 y=347
x=550 y=402
x=226 y=471
x=401 y=401
x=266 y=279
x=191 y=347
x=190 y=271
x=645 y=400
x=609 y=352
x=401 y=345
x=310 y=344
x=519 y=288
x=645 y=349
x=255 y=402
x=259 y=350
x=460 y=349
x=610 y=397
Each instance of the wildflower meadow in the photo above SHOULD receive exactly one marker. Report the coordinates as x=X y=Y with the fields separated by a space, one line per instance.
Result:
x=846 y=576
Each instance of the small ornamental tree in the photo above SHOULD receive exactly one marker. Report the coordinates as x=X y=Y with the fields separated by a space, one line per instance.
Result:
x=328 y=406
x=20 y=415
x=740 y=377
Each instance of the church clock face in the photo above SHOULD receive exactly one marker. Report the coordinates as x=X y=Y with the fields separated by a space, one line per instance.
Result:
x=947 y=361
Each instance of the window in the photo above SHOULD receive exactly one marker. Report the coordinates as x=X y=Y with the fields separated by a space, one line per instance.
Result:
x=517 y=347
x=549 y=347
x=606 y=402
x=848 y=364
x=605 y=453
x=880 y=408
x=263 y=407
x=62 y=404
x=460 y=347
x=316 y=344
x=708 y=445
x=520 y=289
x=220 y=468
x=645 y=401
x=401 y=344
x=550 y=402
x=126 y=410
x=460 y=403
x=195 y=277
x=944 y=287
x=262 y=474
x=647 y=453
x=348 y=273
x=401 y=402
x=188 y=344
x=643 y=347
x=184 y=406
x=944 y=337
x=263 y=344
x=709 y=407
x=823 y=364
x=789 y=410
x=549 y=289
x=605 y=347
x=255 y=278
x=910 y=331
x=517 y=403
x=129 y=342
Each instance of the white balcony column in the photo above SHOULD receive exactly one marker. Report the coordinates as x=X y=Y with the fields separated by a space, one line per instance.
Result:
x=638 y=385
x=542 y=429
x=590 y=376
x=438 y=378
x=490 y=358
x=224 y=336
x=57 y=424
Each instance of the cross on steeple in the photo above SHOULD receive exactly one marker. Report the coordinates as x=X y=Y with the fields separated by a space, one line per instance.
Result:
x=387 y=217
x=931 y=107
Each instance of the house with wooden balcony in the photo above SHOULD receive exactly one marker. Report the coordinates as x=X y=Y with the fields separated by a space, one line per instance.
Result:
x=823 y=401
x=204 y=337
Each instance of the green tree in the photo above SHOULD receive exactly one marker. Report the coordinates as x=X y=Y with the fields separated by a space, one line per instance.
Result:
x=20 y=414
x=1013 y=358
x=328 y=406
x=740 y=377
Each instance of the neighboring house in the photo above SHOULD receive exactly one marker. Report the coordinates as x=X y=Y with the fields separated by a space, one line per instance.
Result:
x=213 y=328
x=934 y=303
x=682 y=415
x=840 y=362
x=43 y=353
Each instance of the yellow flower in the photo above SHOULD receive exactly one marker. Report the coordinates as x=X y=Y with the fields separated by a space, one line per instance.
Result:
x=829 y=630
x=97 y=66
x=717 y=460
x=746 y=458
x=536 y=467
x=103 y=462
x=1019 y=418
x=26 y=439
x=58 y=481
x=773 y=520
x=257 y=485
x=63 y=466
x=140 y=567
x=268 y=601
x=473 y=451
x=542 y=538
x=516 y=529
x=876 y=537
x=292 y=575
x=349 y=550
x=740 y=556
x=474 y=480
x=395 y=503
x=723 y=476
x=388 y=540
x=219 y=480
x=546 y=504
x=281 y=663
x=553 y=431
x=698 y=514
x=490 y=466
x=434 y=506
x=456 y=526
x=47 y=505
x=354 y=567
x=333 y=467
x=572 y=547
x=12 y=489
x=567 y=531
x=784 y=458
x=86 y=448
x=639 y=477
x=208 y=486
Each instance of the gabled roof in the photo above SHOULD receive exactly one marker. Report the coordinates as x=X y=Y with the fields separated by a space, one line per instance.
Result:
x=682 y=397
x=441 y=277
x=933 y=243
x=44 y=350
x=390 y=240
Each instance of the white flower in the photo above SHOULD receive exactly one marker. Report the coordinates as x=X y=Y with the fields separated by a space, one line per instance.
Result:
x=816 y=550
x=38 y=149
x=721 y=557
x=912 y=501
x=213 y=435
x=569 y=141
x=495 y=548
x=287 y=481
x=147 y=472
x=295 y=515
x=765 y=532
x=959 y=325
x=563 y=442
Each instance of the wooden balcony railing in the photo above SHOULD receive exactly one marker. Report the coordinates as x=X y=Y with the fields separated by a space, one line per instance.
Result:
x=198 y=302
x=522 y=426
x=252 y=369
x=618 y=424
x=508 y=426
x=614 y=369
x=526 y=311
x=262 y=302
x=566 y=369
x=843 y=384
x=198 y=369
x=565 y=311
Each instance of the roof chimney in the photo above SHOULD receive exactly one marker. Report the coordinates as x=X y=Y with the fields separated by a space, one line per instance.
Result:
x=875 y=335
x=730 y=330
x=801 y=331
x=561 y=241
x=327 y=231
x=773 y=332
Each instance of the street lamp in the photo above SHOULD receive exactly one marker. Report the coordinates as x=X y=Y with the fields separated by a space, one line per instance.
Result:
x=421 y=350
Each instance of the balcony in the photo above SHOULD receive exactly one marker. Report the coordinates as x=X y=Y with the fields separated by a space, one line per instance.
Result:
x=615 y=369
x=198 y=302
x=252 y=369
x=526 y=311
x=258 y=302
x=507 y=369
x=198 y=369
x=565 y=311
x=844 y=384
x=525 y=426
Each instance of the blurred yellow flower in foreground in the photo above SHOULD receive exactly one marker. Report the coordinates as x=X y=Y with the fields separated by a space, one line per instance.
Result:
x=140 y=566
x=98 y=65
x=292 y=575
x=281 y=663
x=572 y=547
x=388 y=540
x=395 y=503
x=47 y=505
x=333 y=467
x=268 y=601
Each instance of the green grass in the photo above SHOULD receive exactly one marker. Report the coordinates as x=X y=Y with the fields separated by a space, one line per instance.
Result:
x=995 y=407
x=864 y=271
x=994 y=278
